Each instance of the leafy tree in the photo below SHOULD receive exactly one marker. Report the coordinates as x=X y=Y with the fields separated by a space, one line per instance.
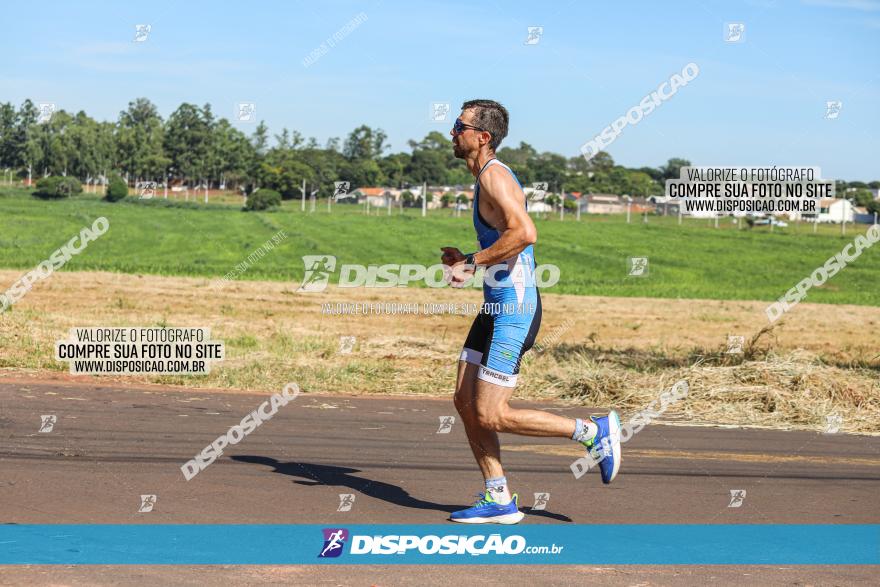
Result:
x=263 y=199
x=260 y=138
x=672 y=169
x=362 y=173
x=117 y=189
x=57 y=186
x=283 y=173
x=10 y=150
x=365 y=143
x=140 y=141
x=641 y=184
x=862 y=197
x=394 y=168
x=187 y=141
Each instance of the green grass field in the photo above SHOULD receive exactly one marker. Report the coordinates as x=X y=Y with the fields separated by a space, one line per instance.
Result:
x=694 y=260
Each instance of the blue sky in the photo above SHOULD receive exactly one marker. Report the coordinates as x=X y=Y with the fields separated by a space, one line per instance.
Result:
x=758 y=102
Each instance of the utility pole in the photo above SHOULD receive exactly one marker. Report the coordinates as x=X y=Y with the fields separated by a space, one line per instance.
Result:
x=425 y=199
x=303 y=199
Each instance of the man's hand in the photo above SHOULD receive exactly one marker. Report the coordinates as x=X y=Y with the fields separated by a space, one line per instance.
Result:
x=451 y=256
x=460 y=273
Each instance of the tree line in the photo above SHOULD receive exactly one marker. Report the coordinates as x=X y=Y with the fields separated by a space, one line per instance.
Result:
x=195 y=147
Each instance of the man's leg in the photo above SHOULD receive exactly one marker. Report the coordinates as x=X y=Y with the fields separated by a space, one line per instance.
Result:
x=482 y=441
x=495 y=414
x=496 y=505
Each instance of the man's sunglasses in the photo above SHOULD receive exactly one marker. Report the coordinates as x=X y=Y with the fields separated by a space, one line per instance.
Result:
x=459 y=127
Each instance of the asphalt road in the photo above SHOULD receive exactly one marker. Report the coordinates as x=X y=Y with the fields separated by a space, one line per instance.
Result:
x=110 y=444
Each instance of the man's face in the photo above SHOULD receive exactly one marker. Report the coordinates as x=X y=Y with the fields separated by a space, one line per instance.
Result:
x=468 y=140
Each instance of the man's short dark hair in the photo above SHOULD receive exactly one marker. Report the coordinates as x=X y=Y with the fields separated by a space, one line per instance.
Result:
x=491 y=117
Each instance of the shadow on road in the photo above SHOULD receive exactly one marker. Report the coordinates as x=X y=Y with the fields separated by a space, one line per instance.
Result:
x=334 y=476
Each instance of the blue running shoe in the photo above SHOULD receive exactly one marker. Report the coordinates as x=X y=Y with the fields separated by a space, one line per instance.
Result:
x=488 y=511
x=605 y=446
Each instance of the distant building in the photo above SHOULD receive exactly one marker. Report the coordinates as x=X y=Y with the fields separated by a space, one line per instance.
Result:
x=862 y=216
x=604 y=204
x=376 y=196
x=835 y=210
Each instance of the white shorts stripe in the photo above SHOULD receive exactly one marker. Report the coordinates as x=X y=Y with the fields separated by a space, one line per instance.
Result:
x=471 y=356
x=496 y=377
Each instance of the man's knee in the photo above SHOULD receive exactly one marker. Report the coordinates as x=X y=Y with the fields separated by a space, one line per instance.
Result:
x=492 y=418
x=464 y=404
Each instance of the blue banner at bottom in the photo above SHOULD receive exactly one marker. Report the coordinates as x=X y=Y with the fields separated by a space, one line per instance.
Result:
x=197 y=544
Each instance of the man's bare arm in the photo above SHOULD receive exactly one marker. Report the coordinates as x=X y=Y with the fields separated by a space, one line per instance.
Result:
x=505 y=198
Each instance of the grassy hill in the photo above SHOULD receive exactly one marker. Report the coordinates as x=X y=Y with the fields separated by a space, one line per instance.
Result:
x=694 y=260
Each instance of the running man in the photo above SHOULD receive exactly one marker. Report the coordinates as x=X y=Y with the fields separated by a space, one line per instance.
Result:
x=507 y=325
